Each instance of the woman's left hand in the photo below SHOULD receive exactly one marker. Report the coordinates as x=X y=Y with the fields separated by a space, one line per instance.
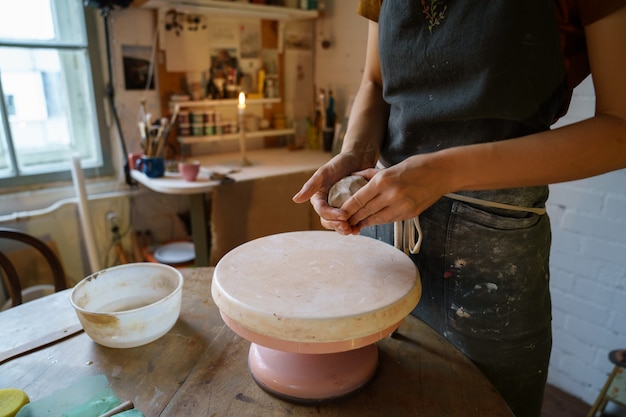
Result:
x=396 y=193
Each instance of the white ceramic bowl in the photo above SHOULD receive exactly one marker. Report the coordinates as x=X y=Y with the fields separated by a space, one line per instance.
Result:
x=129 y=305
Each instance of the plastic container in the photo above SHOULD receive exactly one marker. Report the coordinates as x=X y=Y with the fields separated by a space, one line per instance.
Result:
x=183 y=117
x=196 y=117
x=184 y=129
x=197 y=129
x=209 y=130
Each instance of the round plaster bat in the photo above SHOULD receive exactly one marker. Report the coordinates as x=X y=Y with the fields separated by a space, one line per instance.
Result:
x=344 y=189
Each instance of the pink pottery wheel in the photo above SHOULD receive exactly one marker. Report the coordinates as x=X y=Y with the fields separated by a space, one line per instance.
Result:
x=313 y=304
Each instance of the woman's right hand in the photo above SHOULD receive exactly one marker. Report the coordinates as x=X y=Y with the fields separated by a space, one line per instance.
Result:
x=317 y=187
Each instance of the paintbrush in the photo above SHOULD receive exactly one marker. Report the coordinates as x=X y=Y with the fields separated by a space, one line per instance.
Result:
x=142 y=133
x=171 y=123
x=125 y=406
x=172 y=120
x=160 y=138
x=148 y=135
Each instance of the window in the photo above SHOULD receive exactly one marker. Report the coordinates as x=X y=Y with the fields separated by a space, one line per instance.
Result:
x=51 y=101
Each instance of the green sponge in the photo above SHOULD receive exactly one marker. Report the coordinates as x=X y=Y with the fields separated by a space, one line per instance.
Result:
x=11 y=400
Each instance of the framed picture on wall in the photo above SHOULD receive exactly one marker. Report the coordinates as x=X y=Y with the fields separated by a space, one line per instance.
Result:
x=136 y=61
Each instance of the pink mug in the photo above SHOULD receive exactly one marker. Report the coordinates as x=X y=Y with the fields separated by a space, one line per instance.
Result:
x=132 y=159
x=189 y=170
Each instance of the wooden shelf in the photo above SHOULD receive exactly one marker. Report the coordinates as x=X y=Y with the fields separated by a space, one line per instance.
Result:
x=230 y=8
x=231 y=102
x=189 y=140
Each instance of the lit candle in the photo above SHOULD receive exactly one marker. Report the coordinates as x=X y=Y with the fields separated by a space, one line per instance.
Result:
x=241 y=109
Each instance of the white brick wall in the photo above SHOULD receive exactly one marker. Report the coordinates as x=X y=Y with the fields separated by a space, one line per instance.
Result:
x=589 y=229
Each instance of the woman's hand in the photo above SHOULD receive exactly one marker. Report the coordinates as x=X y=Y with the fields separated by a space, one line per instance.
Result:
x=392 y=194
x=396 y=193
x=317 y=187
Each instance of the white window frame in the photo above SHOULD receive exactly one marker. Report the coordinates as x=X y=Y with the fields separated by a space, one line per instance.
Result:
x=96 y=167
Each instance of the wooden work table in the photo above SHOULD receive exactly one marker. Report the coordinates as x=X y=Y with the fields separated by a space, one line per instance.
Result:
x=199 y=368
x=267 y=164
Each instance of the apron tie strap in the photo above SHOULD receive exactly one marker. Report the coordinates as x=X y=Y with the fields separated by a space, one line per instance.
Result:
x=407 y=234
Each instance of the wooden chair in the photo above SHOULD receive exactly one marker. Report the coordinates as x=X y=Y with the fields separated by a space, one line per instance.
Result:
x=614 y=389
x=13 y=281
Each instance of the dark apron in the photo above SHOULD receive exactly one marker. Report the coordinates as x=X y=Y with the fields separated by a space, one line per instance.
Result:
x=478 y=71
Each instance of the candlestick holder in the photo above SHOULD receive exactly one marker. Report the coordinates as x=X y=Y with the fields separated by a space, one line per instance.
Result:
x=245 y=162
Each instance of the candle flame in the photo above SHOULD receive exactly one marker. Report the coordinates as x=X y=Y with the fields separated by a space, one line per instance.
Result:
x=242 y=100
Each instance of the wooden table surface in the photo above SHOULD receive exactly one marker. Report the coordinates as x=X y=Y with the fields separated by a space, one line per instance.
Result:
x=200 y=368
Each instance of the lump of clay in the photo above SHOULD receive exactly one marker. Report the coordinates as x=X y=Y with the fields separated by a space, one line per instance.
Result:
x=344 y=189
